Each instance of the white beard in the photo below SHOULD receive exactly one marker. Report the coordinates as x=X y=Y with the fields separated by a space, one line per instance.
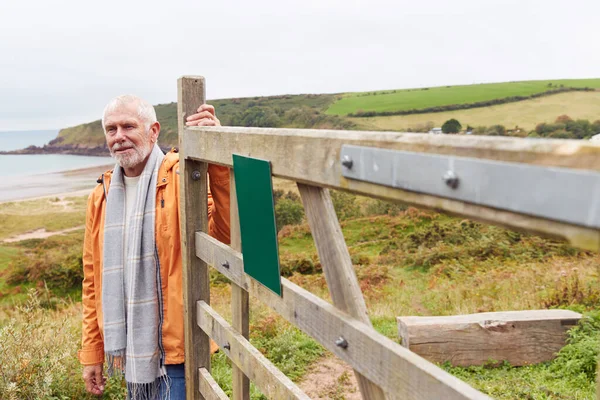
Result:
x=130 y=160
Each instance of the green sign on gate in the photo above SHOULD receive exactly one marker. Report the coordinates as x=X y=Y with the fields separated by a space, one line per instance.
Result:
x=254 y=188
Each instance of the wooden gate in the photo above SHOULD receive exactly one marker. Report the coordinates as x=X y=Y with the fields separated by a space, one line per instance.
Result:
x=314 y=159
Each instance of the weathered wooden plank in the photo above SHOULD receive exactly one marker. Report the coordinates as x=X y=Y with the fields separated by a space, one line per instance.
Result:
x=313 y=157
x=337 y=265
x=398 y=371
x=270 y=380
x=194 y=217
x=519 y=337
x=209 y=388
x=240 y=306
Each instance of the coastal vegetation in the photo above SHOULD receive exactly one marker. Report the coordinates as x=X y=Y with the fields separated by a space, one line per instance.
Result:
x=408 y=262
x=398 y=110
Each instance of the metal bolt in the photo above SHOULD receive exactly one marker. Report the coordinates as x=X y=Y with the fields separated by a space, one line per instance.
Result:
x=341 y=342
x=196 y=175
x=347 y=162
x=227 y=347
x=225 y=264
x=451 y=179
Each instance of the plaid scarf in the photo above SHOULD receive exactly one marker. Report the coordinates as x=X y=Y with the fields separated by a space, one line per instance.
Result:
x=131 y=295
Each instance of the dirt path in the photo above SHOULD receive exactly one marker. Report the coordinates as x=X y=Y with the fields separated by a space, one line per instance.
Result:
x=39 y=234
x=330 y=378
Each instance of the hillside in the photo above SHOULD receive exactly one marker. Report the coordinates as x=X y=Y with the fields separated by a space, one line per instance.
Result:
x=330 y=111
x=418 y=99
x=524 y=114
x=301 y=111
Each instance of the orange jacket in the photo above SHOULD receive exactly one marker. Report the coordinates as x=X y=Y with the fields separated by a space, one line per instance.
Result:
x=169 y=253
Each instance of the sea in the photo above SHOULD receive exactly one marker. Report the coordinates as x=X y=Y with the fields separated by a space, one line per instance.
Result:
x=33 y=175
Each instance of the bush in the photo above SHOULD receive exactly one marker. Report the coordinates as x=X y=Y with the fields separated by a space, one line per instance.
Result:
x=566 y=128
x=580 y=356
x=288 y=212
x=260 y=117
x=560 y=134
x=55 y=263
x=345 y=205
x=496 y=130
x=451 y=126
x=38 y=356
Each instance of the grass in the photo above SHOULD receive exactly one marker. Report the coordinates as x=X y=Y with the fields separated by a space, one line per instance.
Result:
x=524 y=114
x=409 y=99
x=7 y=253
x=51 y=214
x=409 y=262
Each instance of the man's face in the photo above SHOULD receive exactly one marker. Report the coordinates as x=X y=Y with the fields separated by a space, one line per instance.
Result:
x=126 y=136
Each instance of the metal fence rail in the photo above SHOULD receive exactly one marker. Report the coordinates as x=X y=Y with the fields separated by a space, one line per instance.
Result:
x=548 y=187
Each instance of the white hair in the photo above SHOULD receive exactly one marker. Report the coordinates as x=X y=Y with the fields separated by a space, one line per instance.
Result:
x=145 y=110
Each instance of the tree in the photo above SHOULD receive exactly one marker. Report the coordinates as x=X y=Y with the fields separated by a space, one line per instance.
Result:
x=451 y=126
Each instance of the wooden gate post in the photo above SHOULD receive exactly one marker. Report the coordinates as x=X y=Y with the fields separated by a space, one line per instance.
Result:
x=194 y=217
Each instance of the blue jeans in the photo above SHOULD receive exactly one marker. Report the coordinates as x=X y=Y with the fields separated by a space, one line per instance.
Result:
x=176 y=374
x=176 y=388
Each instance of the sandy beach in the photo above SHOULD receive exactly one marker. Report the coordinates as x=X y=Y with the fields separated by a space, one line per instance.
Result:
x=77 y=182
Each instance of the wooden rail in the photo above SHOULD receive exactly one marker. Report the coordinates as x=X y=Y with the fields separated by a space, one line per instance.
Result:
x=385 y=370
x=313 y=157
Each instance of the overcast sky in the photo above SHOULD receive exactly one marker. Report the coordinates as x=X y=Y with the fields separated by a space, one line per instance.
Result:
x=62 y=60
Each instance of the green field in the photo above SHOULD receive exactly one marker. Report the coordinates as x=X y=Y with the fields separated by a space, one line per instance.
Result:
x=409 y=99
x=524 y=114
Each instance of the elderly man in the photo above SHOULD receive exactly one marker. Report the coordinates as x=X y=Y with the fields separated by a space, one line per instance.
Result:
x=132 y=288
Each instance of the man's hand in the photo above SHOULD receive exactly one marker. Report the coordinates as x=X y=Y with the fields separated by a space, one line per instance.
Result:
x=205 y=116
x=94 y=381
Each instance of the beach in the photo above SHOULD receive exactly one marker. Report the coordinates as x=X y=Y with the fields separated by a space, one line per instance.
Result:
x=76 y=182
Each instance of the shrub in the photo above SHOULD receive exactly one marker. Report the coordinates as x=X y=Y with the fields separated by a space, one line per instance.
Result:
x=288 y=212
x=58 y=265
x=38 y=356
x=345 y=205
x=560 y=134
x=580 y=128
x=579 y=357
x=496 y=130
x=260 y=117
x=451 y=126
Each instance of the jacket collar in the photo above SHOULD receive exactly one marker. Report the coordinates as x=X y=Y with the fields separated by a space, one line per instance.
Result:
x=164 y=172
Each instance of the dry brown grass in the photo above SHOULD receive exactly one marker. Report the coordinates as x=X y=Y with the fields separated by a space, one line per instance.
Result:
x=525 y=114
